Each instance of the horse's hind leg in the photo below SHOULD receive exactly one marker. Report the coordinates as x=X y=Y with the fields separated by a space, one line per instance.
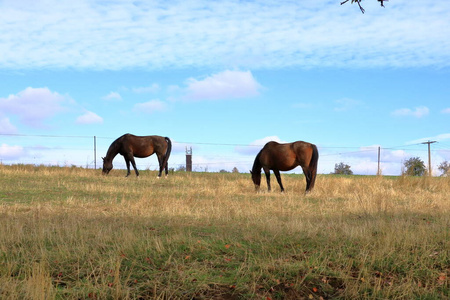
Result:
x=278 y=176
x=167 y=168
x=161 y=167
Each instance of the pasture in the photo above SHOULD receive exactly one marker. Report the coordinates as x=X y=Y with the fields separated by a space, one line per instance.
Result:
x=71 y=233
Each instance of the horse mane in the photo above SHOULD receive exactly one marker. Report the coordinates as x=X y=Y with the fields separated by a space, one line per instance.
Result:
x=113 y=148
x=257 y=164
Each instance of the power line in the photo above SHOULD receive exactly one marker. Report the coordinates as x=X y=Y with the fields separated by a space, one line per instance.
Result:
x=45 y=135
x=222 y=159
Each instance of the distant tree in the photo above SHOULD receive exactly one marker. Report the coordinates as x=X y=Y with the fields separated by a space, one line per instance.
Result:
x=444 y=167
x=181 y=168
x=359 y=3
x=223 y=171
x=235 y=170
x=343 y=169
x=414 y=166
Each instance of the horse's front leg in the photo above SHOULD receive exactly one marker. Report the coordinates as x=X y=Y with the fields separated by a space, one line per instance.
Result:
x=130 y=158
x=278 y=176
x=267 y=172
x=134 y=166
x=127 y=162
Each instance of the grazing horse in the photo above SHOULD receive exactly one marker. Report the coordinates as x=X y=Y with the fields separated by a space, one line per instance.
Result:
x=131 y=146
x=285 y=157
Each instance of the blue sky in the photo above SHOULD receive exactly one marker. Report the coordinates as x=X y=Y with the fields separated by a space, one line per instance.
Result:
x=224 y=77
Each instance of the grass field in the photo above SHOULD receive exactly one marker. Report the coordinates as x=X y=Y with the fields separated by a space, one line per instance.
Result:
x=71 y=233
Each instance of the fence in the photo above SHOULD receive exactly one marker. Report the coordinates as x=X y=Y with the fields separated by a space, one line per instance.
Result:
x=86 y=151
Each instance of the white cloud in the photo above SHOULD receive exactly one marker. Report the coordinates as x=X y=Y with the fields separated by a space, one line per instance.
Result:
x=437 y=138
x=417 y=112
x=393 y=155
x=89 y=118
x=370 y=153
x=6 y=126
x=265 y=140
x=364 y=161
x=446 y=111
x=151 y=106
x=246 y=34
x=254 y=147
x=33 y=105
x=112 y=96
x=346 y=104
x=224 y=85
x=8 y=152
x=146 y=89
x=441 y=137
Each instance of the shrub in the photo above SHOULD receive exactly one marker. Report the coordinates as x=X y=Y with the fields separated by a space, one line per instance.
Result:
x=343 y=169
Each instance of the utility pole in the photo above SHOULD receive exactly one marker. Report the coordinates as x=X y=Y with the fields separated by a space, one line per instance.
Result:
x=95 y=152
x=379 y=171
x=429 y=155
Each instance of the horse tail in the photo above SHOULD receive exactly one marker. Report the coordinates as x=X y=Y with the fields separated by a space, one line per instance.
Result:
x=313 y=166
x=169 y=149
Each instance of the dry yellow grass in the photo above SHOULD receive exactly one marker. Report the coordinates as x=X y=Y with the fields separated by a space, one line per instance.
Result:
x=72 y=233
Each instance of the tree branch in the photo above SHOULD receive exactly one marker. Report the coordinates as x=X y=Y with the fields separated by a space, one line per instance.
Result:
x=360 y=7
x=359 y=3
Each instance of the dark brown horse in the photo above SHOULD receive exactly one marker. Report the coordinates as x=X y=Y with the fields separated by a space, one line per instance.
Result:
x=131 y=146
x=285 y=157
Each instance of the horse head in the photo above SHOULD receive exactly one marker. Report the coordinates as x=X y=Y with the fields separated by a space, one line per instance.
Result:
x=256 y=177
x=107 y=166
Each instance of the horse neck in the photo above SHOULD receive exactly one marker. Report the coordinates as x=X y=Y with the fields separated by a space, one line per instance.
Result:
x=113 y=150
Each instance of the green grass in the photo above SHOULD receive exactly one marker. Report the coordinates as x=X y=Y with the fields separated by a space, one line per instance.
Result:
x=70 y=233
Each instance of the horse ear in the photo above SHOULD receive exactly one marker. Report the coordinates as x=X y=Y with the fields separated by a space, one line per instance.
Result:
x=103 y=158
x=251 y=172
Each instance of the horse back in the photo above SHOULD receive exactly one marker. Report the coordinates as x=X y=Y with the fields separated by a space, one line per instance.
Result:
x=277 y=156
x=285 y=157
x=144 y=146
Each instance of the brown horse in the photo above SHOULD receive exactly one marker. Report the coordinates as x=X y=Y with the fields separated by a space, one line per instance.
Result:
x=131 y=146
x=285 y=157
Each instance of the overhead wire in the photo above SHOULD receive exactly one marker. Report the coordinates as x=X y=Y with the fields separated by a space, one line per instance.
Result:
x=442 y=147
